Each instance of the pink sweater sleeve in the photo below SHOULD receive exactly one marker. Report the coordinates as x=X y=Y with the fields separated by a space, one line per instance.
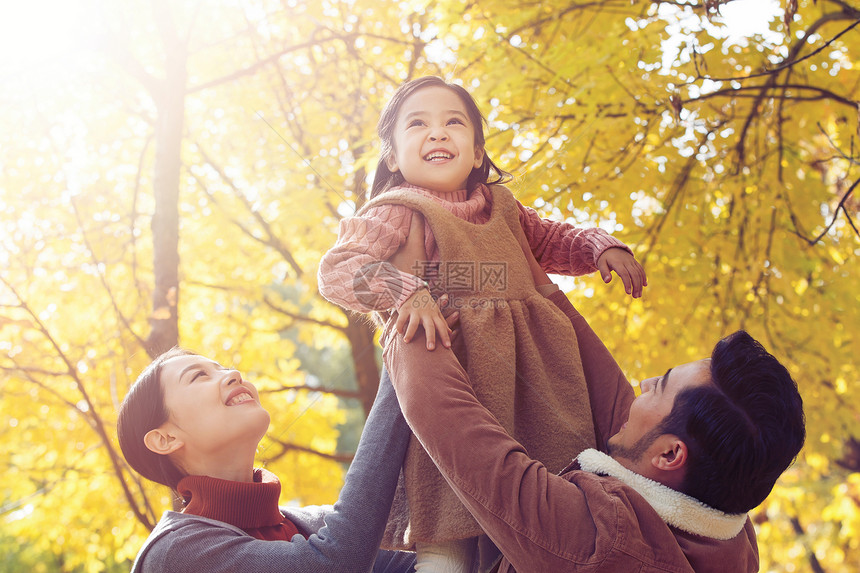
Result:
x=355 y=273
x=563 y=249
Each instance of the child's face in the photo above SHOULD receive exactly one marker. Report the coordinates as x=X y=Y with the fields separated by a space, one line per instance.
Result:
x=434 y=141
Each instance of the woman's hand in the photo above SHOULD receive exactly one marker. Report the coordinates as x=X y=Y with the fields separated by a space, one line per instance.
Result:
x=625 y=266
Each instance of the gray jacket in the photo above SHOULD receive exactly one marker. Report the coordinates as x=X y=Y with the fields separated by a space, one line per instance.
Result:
x=343 y=538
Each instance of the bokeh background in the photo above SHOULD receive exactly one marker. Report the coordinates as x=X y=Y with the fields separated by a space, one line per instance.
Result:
x=171 y=172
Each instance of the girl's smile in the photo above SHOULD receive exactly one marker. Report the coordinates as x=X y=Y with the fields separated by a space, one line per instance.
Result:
x=434 y=141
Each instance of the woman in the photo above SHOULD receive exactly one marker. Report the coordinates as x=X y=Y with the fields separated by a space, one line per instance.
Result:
x=194 y=425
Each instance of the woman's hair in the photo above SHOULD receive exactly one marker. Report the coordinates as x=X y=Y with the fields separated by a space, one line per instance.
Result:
x=385 y=178
x=743 y=430
x=142 y=410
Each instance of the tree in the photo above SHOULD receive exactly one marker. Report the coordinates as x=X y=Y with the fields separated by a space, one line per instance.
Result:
x=728 y=165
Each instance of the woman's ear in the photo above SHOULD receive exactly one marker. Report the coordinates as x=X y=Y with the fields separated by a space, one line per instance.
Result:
x=391 y=162
x=160 y=441
x=479 y=156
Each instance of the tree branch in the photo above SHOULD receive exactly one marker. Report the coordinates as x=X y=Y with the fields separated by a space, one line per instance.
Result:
x=734 y=92
x=101 y=275
x=301 y=317
x=288 y=447
x=271 y=240
x=840 y=206
x=259 y=64
x=348 y=394
x=788 y=64
x=91 y=414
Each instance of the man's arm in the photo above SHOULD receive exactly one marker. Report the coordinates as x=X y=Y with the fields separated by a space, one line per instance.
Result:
x=532 y=515
x=608 y=389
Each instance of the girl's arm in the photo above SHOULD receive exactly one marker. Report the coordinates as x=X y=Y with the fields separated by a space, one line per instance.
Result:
x=563 y=249
x=355 y=274
x=350 y=538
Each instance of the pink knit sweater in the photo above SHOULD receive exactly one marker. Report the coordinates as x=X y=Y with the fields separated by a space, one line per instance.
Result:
x=559 y=247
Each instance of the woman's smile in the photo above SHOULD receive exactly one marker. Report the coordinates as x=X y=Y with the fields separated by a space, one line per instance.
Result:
x=239 y=396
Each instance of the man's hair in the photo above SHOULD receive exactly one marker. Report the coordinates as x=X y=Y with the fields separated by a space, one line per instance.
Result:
x=743 y=430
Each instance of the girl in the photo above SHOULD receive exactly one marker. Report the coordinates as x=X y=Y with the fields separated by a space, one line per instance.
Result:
x=193 y=425
x=515 y=345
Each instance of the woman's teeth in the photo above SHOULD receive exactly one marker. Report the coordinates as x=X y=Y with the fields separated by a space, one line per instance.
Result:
x=239 y=399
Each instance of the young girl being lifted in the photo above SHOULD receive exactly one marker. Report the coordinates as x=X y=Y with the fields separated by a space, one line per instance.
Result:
x=518 y=348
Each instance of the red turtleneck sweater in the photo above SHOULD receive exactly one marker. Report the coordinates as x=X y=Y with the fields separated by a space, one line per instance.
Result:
x=250 y=506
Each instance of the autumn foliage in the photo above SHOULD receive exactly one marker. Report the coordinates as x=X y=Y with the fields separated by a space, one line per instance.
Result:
x=173 y=171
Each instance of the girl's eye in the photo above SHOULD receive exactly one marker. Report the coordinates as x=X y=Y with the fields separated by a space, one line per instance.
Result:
x=198 y=374
x=415 y=122
x=456 y=120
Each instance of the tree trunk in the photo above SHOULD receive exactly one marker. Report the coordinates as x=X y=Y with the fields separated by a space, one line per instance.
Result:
x=360 y=334
x=170 y=103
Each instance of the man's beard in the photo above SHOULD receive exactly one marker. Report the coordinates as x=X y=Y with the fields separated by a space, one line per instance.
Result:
x=637 y=450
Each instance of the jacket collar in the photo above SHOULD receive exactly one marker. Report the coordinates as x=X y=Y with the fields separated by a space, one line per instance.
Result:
x=675 y=508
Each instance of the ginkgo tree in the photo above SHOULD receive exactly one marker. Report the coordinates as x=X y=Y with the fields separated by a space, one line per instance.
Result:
x=178 y=180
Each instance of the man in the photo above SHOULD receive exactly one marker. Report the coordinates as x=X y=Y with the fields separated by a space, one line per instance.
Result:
x=683 y=463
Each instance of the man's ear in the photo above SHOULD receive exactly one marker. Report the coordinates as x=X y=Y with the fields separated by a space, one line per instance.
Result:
x=479 y=156
x=672 y=454
x=162 y=441
x=391 y=162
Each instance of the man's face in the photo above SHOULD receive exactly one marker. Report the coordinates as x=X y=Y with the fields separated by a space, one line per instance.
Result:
x=632 y=446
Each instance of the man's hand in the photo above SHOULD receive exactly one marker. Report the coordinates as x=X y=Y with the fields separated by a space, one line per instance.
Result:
x=625 y=266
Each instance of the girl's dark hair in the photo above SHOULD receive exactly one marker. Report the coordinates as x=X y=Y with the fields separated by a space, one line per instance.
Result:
x=142 y=410
x=743 y=430
x=488 y=173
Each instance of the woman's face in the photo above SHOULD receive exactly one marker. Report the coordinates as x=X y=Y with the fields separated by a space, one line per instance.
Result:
x=213 y=413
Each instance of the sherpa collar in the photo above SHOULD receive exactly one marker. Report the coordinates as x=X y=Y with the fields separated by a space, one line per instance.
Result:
x=673 y=507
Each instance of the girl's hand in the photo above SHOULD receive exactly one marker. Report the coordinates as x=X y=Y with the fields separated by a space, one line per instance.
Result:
x=421 y=310
x=625 y=266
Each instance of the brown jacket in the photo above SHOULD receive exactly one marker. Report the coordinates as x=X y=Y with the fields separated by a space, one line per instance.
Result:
x=580 y=521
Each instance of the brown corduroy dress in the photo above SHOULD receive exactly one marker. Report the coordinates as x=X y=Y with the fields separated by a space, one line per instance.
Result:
x=518 y=348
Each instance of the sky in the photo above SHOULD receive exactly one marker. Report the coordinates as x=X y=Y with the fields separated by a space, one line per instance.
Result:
x=748 y=17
